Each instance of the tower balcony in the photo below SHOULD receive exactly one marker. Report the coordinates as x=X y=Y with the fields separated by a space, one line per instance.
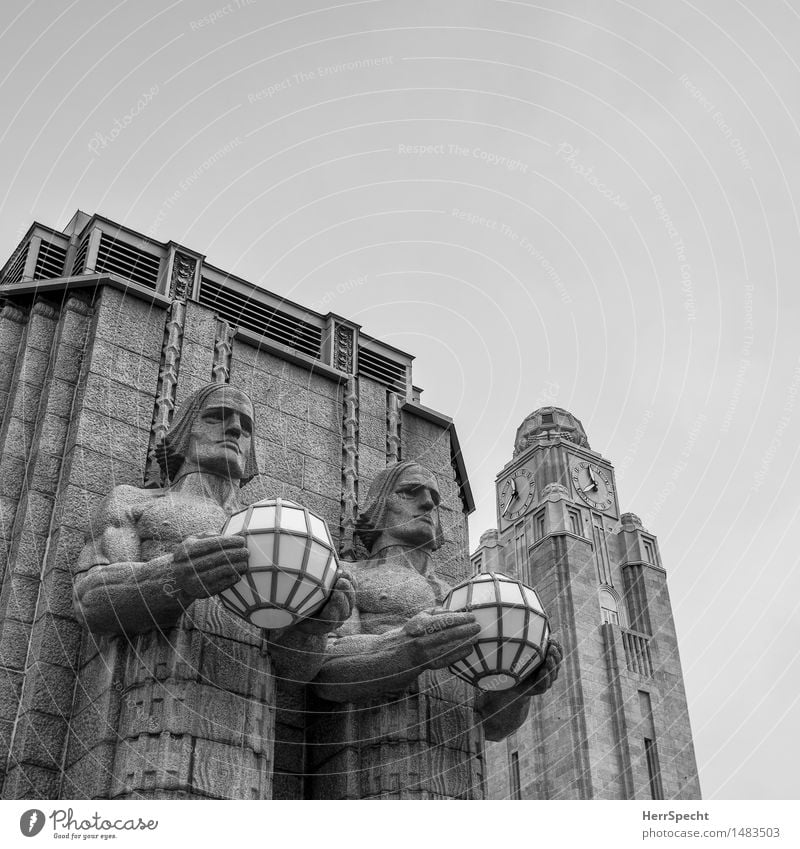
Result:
x=637 y=652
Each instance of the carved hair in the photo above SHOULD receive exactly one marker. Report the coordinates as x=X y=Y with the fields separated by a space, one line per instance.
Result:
x=171 y=451
x=371 y=522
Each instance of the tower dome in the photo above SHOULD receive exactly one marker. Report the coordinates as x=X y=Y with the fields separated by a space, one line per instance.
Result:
x=549 y=421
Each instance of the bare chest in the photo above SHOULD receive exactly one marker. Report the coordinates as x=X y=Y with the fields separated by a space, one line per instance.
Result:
x=164 y=522
x=388 y=595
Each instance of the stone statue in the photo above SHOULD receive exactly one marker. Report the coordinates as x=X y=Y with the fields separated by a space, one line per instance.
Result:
x=152 y=552
x=397 y=633
x=154 y=560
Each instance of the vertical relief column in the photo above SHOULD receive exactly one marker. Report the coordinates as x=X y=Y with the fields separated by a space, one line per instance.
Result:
x=223 y=352
x=393 y=438
x=344 y=344
x=37 y=590
x=344 y=358
x=167 y=384
x=184 y=271
x=349 y=510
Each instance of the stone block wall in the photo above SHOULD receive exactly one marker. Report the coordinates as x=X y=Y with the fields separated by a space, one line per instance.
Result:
x=86 y=381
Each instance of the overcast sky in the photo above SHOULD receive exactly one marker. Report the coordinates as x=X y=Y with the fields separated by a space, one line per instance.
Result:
x=589 y=204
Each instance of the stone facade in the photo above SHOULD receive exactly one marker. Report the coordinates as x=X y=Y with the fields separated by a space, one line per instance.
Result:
x=93 y=366
x=615 y=725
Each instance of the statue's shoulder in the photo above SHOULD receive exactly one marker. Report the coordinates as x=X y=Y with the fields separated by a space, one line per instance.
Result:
x=355 y=568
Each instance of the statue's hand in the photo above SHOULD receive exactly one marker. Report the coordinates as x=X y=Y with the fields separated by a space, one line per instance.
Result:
x=544 y=677
x=336 y=611
x=203 y=566
x=440 y=637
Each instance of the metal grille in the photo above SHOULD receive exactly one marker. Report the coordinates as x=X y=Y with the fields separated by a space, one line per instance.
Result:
x=245 y=311
x=79 y=264
x=50 y=261
x=115 y=257
x=382 y=369
x=17 y=268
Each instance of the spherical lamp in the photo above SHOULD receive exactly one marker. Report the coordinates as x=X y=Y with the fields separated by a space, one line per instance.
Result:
x=292 y=564
x=514 y=632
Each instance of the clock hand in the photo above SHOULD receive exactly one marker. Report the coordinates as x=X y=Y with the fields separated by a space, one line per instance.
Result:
x=513 y=495
x=591 y=486
x=591 y=475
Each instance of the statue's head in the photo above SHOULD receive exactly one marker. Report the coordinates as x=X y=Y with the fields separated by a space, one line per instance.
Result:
x=402 y=509
x=212 y=433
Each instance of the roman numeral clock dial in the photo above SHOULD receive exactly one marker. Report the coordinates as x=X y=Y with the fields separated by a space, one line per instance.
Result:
x=516 y=494
x=593 y=485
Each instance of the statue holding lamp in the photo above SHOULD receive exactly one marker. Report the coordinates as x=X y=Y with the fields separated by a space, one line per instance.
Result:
x=177 y=695
x=183 y=558
x=151 y=553
x=387 y=665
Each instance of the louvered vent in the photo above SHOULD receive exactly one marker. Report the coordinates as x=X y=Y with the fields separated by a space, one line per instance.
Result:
x=79 y=263
x=382 y=369
x=50 y=261
x=17 y=268
x=126 y=261
x=243 y=311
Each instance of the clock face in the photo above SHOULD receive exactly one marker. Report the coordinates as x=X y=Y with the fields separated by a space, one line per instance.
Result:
x=593 y=485
x=516 y=494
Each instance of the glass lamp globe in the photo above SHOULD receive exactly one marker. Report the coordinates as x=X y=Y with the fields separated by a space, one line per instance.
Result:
x=292 y=564
x=514 y=632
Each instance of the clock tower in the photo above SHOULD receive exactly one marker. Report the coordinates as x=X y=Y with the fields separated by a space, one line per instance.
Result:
x=616 y=723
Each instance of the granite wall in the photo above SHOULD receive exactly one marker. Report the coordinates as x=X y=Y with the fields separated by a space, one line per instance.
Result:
x=88 y=381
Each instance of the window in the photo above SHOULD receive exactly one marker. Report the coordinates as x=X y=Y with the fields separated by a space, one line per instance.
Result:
x=609 y=610
x=575 y=523
x=547 y=418
x=650 y=751
x=519 y=551
x=600 y=550
x=646 y=714
x=649 y=551
x=538 y=526
x=653 y=771
x=516 y=780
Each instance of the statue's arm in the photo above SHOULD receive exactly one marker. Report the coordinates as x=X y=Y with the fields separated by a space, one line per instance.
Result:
x=357 y=666
x=360 y=666
x=116 y=592
x=504 y=711
x=298 y=652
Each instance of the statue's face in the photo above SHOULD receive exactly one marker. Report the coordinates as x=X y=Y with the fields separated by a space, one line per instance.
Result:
x=221 y=434
x=411 y=514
